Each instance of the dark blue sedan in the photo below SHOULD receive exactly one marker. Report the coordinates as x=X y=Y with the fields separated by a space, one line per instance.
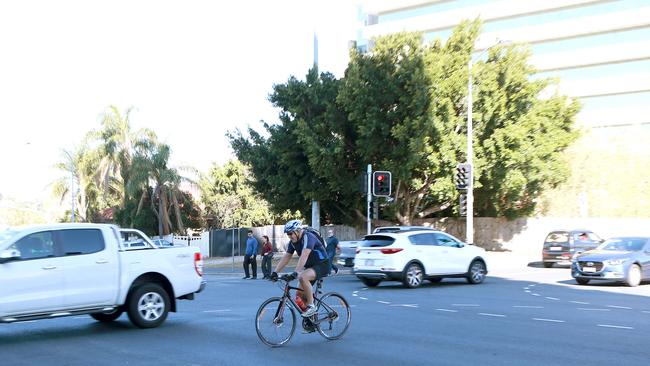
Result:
x=624 y=259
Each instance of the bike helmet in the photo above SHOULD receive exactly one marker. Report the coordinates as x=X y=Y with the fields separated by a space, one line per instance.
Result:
x=292 y=226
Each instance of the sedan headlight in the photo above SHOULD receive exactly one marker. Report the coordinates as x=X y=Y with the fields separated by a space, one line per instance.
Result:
x=616 y=262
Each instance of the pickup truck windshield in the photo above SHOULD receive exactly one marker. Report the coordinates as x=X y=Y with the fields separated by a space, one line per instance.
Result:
x=5 y=235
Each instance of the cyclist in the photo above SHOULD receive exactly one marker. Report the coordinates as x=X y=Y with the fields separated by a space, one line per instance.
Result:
x=313 y=263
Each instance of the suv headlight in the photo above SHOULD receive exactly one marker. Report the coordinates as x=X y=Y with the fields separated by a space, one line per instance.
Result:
x=615 y=262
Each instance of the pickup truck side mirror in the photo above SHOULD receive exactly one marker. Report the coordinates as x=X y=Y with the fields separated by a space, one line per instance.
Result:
x=9 y=255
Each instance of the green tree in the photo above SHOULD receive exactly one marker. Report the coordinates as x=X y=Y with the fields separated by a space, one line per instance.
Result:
x=308 y=155
x=230 y=199
x=402 y=107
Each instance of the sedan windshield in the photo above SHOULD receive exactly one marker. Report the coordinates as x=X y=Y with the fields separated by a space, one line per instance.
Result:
x=627 y=245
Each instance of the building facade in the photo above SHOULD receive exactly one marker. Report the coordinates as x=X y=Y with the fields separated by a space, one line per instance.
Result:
x=599 y=50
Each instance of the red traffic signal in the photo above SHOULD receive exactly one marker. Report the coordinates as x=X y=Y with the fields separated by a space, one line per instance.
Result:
x=381 y=184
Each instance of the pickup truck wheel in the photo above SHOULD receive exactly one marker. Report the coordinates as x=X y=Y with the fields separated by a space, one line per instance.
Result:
x=107 y=317
x=148 y=305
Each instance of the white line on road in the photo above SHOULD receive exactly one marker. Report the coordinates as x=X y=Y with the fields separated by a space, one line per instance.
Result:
x=527 y=291
x=590 y=309
x=363 y=298
x=354 y=294
x=549 y=320
x=536 y=294
x=526 y=288
x=619 y=307
x=614 y=326
x=552 y=298
x=528 y=306
x=406 y=305
x=495 y=315
x=465 y=305
x=580 y=302
x=448 y=310
x=216 y=311
x=383 y=302
x=646 y=311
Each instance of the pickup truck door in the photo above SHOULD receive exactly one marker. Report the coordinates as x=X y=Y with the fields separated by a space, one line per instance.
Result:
x=91 y=268
x=33 y=283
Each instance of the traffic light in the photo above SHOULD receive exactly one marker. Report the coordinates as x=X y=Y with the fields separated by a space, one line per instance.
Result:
x=381 y=184
x=374 y=210
x=462 y=203
x=463 y=176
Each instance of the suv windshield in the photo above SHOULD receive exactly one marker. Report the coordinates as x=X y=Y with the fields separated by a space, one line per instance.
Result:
x=557 y=238
x=375 y=241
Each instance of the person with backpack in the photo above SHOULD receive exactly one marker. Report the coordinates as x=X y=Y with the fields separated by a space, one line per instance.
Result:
x=313 y=263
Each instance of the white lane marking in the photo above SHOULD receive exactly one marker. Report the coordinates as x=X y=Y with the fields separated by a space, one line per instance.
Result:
x=526 y=288
x=355 y=295
x=216 y=311
x=406 y=305
x=646 y=311
x=549 y=320
x=531 y=285
x=495 y=315
x=363 y=289
x=536 y=294
x=527 y=291
x=383 y=302
x=465 y=305
x=590 y=309
x=448 y=310
x=580 y=302
x=363 y=298
x=618 y=307
x=614 y=326
x=528 y=306
x=552 y=298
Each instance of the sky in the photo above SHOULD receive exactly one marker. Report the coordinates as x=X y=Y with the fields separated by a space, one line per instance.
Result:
x=191 y=69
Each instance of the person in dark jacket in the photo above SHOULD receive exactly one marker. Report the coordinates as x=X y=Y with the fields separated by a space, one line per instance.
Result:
x=249 y=257
x=267 y=256
x=332 y=249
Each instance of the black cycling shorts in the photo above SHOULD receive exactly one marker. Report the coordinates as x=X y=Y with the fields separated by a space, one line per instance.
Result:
x=322 y=269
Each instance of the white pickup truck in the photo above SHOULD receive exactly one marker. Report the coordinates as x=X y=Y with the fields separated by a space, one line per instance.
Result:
x=71 y=269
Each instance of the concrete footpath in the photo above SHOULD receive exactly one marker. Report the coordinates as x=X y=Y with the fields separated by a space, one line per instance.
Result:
x=498 y=262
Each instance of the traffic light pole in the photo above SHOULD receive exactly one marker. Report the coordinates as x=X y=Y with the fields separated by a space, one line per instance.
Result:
x=369 y=199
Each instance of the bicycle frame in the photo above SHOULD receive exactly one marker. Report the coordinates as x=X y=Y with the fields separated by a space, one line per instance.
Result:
x=286 y=295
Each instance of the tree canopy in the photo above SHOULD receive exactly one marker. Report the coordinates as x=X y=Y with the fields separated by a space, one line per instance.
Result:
x=402 y=107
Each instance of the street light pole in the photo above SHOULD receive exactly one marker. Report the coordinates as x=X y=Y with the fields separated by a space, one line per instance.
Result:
x=470 y=149
x=470 y=155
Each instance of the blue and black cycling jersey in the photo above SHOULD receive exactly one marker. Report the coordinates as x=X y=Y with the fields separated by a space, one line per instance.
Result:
x=310 y=241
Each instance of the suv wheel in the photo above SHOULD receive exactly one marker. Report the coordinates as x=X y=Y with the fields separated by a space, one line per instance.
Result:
x=476 y=273
x=582 y=281
x=548 y=264
x=413 y=275
x=370 y=282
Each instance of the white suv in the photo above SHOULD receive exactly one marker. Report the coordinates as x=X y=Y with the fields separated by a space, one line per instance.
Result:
x=413 y=256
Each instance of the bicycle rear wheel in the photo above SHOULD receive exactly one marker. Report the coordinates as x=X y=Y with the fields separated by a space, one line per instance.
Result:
x=275 y=322
x=333 y=316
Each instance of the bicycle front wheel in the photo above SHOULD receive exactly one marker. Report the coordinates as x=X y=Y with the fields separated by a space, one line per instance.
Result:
x=275 y=322
x=333 y=316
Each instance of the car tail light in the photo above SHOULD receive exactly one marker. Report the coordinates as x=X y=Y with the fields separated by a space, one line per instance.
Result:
x=391 y=250
x=198 y=264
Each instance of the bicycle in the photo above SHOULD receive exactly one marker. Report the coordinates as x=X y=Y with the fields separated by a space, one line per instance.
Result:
x=277 y=315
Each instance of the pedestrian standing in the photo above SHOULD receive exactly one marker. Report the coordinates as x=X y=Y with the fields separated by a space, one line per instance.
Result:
x=249 y=257
x=332 y=249
x=267 y=256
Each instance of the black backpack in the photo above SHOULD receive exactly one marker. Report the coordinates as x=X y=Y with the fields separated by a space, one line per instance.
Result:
x=320 y=238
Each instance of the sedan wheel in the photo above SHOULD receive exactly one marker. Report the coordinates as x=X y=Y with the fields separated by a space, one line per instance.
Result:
x=476 y=272
x=633 y=277
x=413 y=275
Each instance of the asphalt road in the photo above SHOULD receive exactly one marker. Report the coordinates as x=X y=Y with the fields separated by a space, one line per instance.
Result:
x=521 y=315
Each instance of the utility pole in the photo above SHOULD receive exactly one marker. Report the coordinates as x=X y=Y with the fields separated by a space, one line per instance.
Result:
x=369 y=197
x=315 y=207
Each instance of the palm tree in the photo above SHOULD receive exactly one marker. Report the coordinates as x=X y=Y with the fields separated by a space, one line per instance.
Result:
x=116 y=149
x=150 y=173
